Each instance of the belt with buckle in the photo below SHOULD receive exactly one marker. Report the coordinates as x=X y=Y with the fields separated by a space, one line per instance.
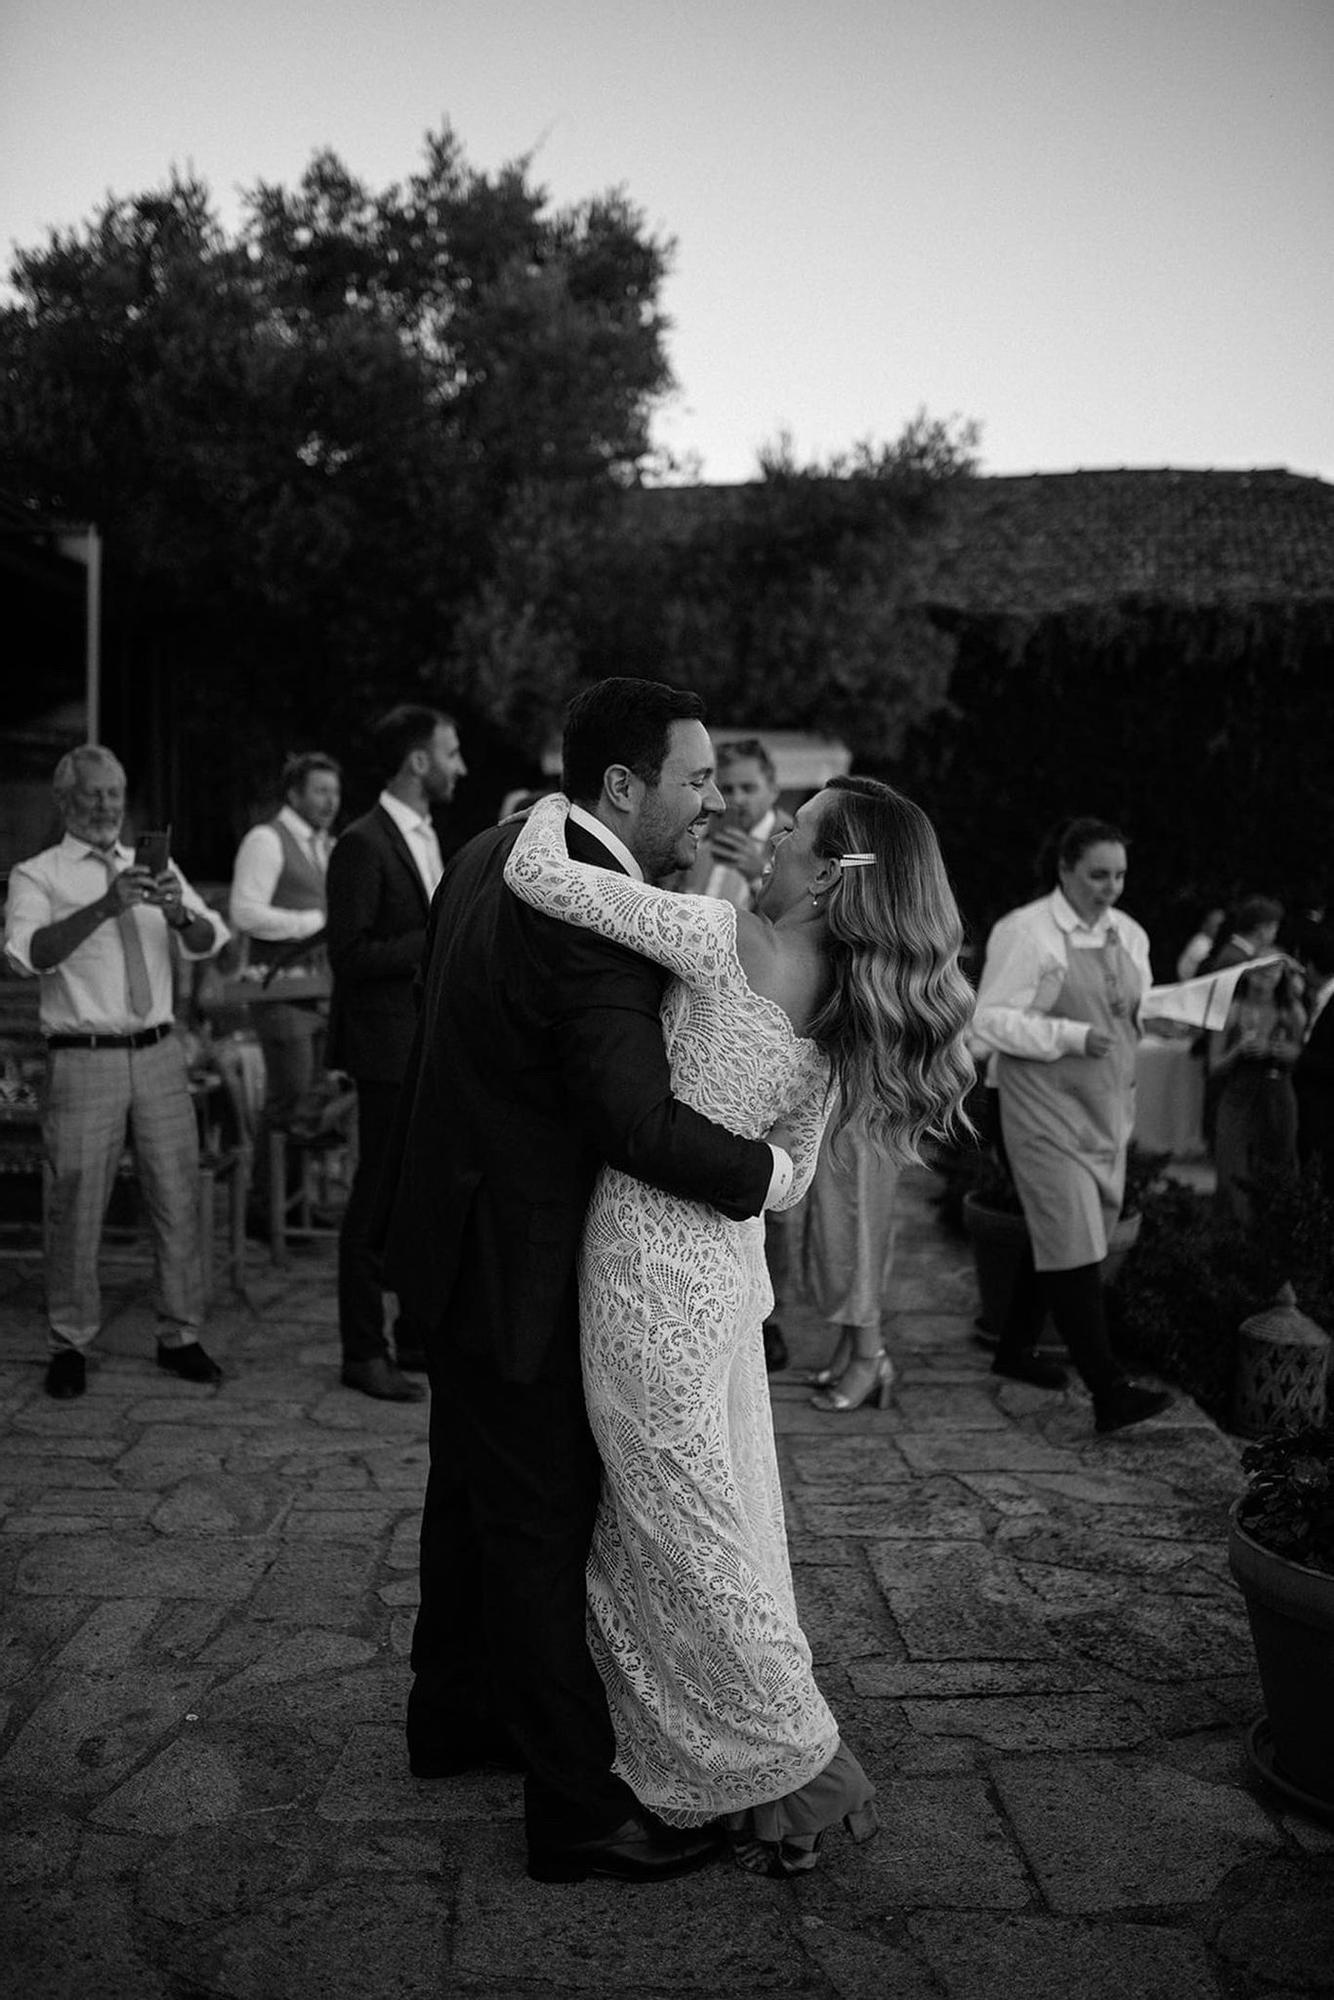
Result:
x=143 y=1040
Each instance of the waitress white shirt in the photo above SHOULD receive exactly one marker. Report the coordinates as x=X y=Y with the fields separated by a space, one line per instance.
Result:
x=1027 y=955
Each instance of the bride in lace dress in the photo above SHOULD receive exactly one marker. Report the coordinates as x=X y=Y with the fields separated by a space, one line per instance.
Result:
x=848 y=970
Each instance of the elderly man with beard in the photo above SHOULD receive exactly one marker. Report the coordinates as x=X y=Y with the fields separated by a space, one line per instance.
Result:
x=97 y=930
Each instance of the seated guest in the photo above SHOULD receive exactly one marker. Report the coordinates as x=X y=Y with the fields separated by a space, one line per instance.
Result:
x=97 y=931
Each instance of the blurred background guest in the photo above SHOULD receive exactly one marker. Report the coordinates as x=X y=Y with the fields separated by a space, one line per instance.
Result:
x=840 y=1245
x=1251 y=1059
x=277 y=904
x=97 y=926
x=382 y=876
x=1197 y=948
x=730 y=865
x=1313 y=1076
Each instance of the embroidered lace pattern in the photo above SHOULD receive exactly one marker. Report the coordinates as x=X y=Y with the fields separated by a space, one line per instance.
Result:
x=692 y=1621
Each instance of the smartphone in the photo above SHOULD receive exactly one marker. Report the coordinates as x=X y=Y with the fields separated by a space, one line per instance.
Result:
x=153 y=850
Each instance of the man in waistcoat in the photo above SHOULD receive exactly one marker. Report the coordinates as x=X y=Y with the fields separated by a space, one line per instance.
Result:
x=278 y=904
x=99 y=931
x=382 y=876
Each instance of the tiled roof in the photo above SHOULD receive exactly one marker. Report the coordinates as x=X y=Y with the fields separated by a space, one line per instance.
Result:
x=1046 y=539
x=1062 y=538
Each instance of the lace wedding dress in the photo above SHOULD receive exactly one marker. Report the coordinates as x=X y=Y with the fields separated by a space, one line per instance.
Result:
x=692 y=1620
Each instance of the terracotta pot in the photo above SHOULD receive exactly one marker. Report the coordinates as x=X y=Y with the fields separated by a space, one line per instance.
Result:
x=1291 y=1610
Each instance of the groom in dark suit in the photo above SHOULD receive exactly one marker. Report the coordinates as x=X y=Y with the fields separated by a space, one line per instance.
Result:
x=539 y=1055
x=382 y=875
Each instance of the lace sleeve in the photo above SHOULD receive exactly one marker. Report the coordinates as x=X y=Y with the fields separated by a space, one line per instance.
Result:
x=802 y=1131
x=693 y=936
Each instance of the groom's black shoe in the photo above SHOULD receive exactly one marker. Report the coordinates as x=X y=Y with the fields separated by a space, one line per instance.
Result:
x=637 y=1851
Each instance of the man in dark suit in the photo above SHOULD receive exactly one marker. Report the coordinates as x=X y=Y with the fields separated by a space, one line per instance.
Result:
x=1313 y=1076
x=539 y=1055
x=382 y=875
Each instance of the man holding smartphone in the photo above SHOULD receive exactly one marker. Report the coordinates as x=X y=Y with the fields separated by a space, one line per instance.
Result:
x=95 y=923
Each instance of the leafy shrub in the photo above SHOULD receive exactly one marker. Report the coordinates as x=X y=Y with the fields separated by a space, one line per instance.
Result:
x=1289 y=1502
x=1190 y=1280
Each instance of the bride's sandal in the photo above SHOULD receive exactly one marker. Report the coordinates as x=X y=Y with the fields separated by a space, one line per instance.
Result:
x=777 y=1858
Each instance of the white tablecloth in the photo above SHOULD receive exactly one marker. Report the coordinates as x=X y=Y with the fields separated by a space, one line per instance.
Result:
x=1169 y=1098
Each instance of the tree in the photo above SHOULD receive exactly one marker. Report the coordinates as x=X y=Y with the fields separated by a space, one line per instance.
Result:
x=306 y=444
x=798 y=599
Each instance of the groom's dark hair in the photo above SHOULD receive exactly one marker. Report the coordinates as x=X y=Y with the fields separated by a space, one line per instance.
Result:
x=621 y=721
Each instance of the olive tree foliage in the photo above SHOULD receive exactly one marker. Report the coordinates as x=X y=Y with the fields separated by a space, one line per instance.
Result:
x=795 y=600
x=311 y=442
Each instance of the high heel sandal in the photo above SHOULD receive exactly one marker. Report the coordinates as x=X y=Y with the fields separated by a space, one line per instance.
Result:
x=835 y=1402
x=825 y=1378
x=796 y=1854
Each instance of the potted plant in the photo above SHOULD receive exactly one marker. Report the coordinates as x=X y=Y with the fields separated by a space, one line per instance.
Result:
x=1281 y=1553
x=993 y=1220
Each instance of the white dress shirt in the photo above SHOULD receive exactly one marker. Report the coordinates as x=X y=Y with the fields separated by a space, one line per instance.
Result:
x=420 y=834
x=86 y=993
x=729 y=884
x=780 y=1180
x=1025 y=971
x=258 y=869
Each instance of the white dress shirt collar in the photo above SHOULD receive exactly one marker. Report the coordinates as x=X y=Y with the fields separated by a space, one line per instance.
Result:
x=1067 y=917
x=311 y=838
x=420 y=834
x=613 y=844
x=406 y=818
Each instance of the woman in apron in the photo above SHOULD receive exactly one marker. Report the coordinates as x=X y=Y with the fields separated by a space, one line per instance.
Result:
x=1059 y=1007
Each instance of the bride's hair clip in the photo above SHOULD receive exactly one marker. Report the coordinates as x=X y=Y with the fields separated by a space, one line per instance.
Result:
x=857 y=860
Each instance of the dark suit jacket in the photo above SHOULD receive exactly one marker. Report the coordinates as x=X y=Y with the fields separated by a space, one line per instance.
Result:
x=377 y=934
x=538 y=1056
x=1313 y=1081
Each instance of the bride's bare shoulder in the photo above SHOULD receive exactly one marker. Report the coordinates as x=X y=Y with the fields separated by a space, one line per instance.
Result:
x=779 y=965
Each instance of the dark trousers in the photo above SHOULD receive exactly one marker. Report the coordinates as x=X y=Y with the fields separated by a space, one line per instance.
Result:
x=1075 y=1301
x=360 y=1293
x=500 y=1640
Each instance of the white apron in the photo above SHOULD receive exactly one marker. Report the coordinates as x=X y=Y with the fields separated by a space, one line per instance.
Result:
x=1067 y=1123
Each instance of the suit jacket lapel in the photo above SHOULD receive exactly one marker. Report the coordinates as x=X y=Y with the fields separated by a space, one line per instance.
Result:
x=400 y=847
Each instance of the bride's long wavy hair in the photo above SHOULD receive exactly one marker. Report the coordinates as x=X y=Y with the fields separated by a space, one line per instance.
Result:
x=894 y=1023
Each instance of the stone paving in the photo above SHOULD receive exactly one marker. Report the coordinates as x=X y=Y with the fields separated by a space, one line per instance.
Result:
x=1028 y=1633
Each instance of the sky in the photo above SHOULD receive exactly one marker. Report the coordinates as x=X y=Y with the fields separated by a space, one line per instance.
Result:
x=1102 y=230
